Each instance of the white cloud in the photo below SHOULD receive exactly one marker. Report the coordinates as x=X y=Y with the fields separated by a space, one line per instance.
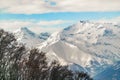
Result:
x=42 y=6
x=115 y=20
x=52 y=23
x=40 y=26
x=44 y=26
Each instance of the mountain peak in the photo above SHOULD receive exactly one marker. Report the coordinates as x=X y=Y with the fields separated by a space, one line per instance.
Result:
x=44 y=35
x=83 y=21
x=26 y=36
x=25 y=31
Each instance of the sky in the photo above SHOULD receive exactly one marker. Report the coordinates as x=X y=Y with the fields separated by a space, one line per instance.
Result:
x=53 y=15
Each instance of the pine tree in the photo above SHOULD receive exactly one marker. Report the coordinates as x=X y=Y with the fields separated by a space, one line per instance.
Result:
x=36 y=67
x=20 y=63
x=10 y=55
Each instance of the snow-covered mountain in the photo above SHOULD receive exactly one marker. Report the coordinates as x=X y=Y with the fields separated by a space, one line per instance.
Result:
x=29 y=38
x=92 y=45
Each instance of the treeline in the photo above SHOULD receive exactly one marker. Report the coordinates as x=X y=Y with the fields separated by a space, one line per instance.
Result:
x=19 y=63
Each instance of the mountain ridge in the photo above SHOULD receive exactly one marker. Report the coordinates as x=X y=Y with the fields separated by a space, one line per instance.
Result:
x=95 y=40
x=29 y=38
x=92 y=45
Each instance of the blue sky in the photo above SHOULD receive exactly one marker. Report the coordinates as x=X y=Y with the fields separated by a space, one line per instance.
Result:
x=53 y=15
x=61 y=16
x=76 y=16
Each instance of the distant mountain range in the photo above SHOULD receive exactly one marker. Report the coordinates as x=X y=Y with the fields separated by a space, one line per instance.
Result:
x=94 y=46
x=29 y=38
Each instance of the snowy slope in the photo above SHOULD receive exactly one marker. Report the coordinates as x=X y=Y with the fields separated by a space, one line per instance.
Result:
x=92 y=45
x=110 y=73
x=30 y=39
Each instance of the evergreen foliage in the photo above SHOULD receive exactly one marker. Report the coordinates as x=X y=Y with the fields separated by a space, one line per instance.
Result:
x=19 y=63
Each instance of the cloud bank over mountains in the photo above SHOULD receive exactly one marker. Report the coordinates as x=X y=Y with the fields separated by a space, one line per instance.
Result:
x=47 y=6
x=39 y=26
x=15 y=14
x=48 y=26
